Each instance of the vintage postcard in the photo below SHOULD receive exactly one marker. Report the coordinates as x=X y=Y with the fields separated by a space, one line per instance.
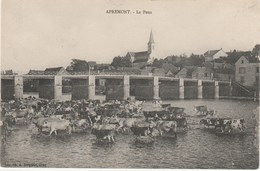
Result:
x=151 y=84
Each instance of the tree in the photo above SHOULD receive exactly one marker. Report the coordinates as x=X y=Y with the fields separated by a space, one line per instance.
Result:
x=78 y=65
x=256 y=51
x=195 y=60
x=119 y=61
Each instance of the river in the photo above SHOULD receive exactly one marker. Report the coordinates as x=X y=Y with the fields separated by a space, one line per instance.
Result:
x=197 y=148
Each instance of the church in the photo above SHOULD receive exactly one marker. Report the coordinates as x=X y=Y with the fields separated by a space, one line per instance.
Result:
x=143 y=58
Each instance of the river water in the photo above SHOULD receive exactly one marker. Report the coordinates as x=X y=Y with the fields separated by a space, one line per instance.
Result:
x=197 y=148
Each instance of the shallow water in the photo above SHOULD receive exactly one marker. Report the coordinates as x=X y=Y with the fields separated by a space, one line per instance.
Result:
x=197 y=148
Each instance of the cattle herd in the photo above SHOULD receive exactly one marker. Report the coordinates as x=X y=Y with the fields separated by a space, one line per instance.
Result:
x=109 y=118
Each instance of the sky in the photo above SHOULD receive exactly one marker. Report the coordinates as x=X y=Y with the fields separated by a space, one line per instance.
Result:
x=36 y=34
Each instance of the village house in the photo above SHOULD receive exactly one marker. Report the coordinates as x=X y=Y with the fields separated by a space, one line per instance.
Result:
x=210 y=55
x=185 y=72
x=202 y=73
x=49 y=71
x=139 y=59
x=169 y=69
x=8 y=72
x=147 y=70
x=247 y=71
x=158 y=72
x=222 y=71
x=56 y=71
x=224 y=74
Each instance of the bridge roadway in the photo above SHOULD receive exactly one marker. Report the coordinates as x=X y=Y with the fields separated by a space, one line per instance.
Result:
x=87 y=84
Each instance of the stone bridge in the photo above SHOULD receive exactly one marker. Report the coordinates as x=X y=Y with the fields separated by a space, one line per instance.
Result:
x=116 y=87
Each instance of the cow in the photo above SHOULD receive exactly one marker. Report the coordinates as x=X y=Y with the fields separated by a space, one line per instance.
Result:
x=166 y=126
x=157 y=103
x=127 y=123
x=235 y=124
x=104 y=131
x=81 y=123
x=143 y=128
x=209 y=122
x=201 y=109
x=60 y=117
x=10 y=121
x=221 y=123
x=138 y=103
x=211 y=113
x=38 y=122
x=181 y=122
x=176 y=110
x=55 y=125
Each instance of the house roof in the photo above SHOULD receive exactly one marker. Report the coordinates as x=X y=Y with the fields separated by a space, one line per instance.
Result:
x=54 y=71
x=250 y=59
x=35 y=72
x=240 y=53
x=158 y=70
x=140 y=60
x=189 y=70
x=169 y=67
x=147 y=69
x=142 y=56
x=8 y=72
x=211 y=53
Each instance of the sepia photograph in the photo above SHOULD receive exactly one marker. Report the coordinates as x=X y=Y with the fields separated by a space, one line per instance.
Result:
x=130 y=84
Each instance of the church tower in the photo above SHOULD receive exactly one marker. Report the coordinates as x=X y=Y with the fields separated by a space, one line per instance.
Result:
x=151 y=48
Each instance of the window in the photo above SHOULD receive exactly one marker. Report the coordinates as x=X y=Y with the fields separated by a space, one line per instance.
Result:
x=242 y=61
x=257 y=69
x=242 y=79
x=197 y=75
x=205 y=74
x=242 y=70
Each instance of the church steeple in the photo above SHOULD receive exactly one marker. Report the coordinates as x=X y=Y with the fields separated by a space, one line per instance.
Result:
x=151 y=40
x=151 y=49
x=151 y=43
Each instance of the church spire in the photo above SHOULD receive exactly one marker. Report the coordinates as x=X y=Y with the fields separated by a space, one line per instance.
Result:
x=151 y=40
x=151 y=48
